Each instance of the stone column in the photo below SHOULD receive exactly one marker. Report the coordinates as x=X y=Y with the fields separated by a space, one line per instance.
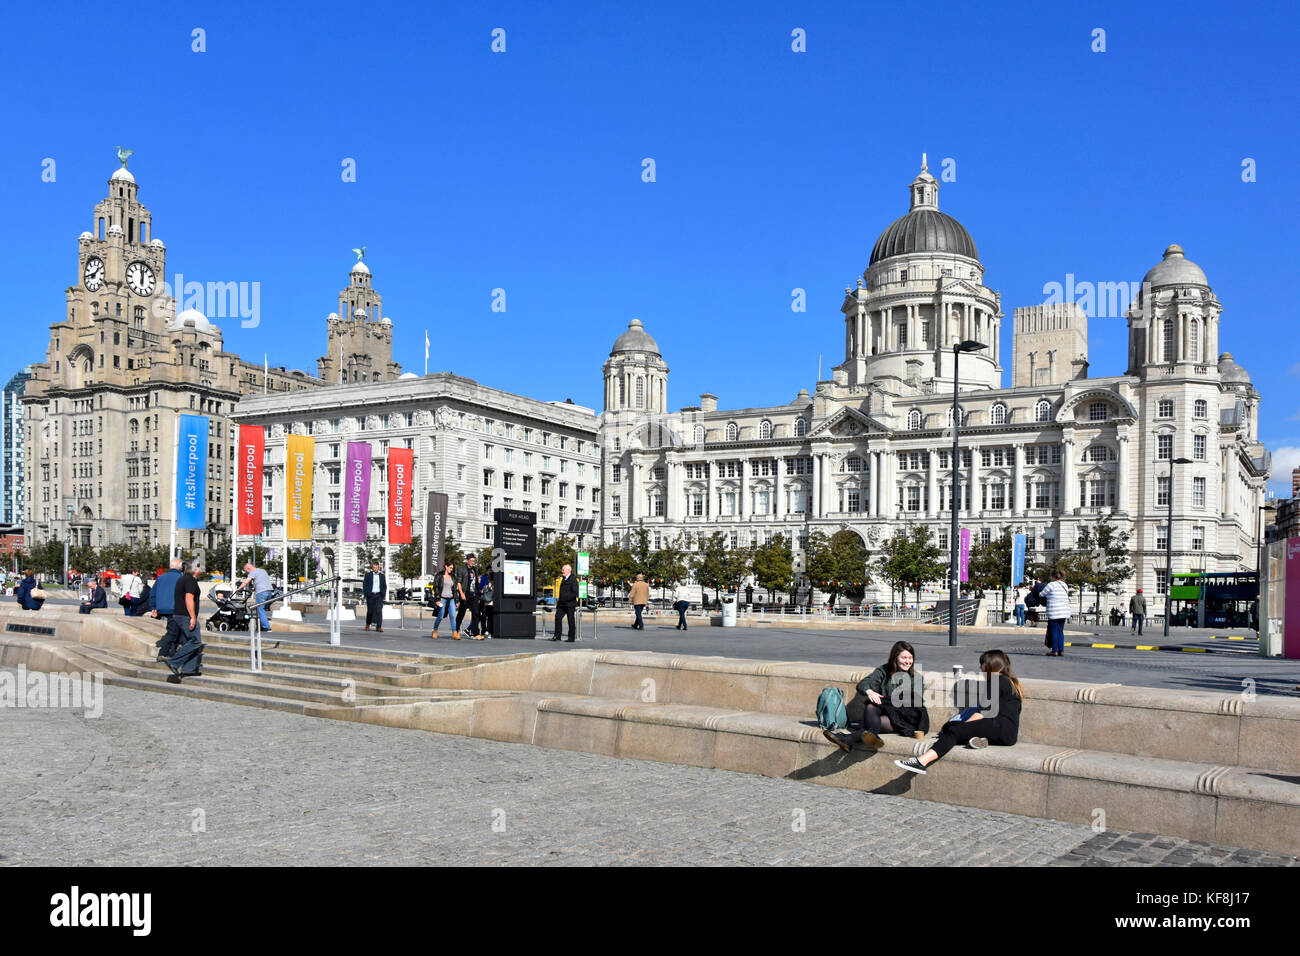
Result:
x=711 y=502
x=816 y=486
x=1067 y=475
x=868 y=502
x=932 y=484
x=891 y=484
x=1018 y=480
x=1121 y=477
x=632 y=490
x=974 y=481
x=778 y=489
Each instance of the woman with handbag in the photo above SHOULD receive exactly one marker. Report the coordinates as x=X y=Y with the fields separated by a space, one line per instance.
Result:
x=895 y=701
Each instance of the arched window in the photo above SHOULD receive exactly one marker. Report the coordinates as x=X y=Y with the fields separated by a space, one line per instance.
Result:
x=1042 y=411
x=1167 y=339
x=699 y=434
x=914 y=419
x=1201 y=408
x=998 y=414
x=1194 y=341
x=965 y=417
x=800 y=428
x=732 y=431
x=764 y=429
x=133 y=427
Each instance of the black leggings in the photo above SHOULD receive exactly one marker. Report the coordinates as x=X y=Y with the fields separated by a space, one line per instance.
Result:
x=955 y=732
x=874 y=720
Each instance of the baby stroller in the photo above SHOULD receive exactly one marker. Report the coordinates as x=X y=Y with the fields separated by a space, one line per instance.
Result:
x=232 y=611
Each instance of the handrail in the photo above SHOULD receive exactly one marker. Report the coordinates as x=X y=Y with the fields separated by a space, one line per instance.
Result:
x=284 y=594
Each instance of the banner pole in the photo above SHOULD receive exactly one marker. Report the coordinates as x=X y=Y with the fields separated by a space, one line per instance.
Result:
x=176 y=479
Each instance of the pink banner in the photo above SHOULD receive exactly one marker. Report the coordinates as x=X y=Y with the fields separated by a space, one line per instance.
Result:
x=356 y=491
x=1291 y=622
x=963 y=559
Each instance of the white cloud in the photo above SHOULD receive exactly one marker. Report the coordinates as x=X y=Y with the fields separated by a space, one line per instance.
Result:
x=1285 y=459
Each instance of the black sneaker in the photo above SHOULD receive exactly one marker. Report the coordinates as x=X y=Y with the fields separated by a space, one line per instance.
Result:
x=911 y=764
x=173 y=678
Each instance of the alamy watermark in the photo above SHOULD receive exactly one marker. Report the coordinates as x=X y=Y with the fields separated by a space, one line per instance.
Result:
x=216 y=300
x=1097 y=300
x=37 y=689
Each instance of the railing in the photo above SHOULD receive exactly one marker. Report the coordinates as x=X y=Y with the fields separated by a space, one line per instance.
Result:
x=255 y=621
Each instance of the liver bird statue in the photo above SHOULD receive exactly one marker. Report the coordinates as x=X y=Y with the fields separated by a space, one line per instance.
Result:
x=123 y=155
x=360 y=253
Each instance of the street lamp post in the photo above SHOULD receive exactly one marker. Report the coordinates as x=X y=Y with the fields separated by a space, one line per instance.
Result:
x=959 y=347
x=1169 y=544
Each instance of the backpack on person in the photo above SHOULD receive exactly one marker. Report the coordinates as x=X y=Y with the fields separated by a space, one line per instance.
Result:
x=831 y=714
x=1035 y=596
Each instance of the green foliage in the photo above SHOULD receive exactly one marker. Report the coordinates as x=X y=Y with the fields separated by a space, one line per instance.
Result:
x=669 y=564
x=1101 y=558
x=408 y=559
x=451 y=551
x=611 y=566
x=552 y=557
x=911 y=557
x=713 y=563
x=773 y=565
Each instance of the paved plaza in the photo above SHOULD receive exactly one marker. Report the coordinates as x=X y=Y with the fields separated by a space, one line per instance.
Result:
x=163 y=780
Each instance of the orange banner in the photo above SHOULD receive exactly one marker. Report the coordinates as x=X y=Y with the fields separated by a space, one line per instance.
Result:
x=297 y=475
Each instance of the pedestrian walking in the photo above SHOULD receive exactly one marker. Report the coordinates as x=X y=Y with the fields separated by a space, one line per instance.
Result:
x=446 y=590
x=566 y=602
x=639 y=597
x=895 y=701
x=375 y=589
x=259 y=584
x=468 y=580
x=997 y=722
x=1056 y=595
x=681 y=602
x=162 y=606
x=1137 y=606
x=188 y=659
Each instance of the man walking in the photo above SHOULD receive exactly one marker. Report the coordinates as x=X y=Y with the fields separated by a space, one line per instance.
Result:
x=1057 y=597
x=639 y=597
x=469 y=588
x=1137 y=606
x=162 y=605
x=259 y=582
x=566 y=602
x=375 y=588
x=188 y=660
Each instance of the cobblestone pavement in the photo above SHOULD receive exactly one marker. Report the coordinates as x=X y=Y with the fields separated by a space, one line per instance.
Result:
x=162 y=780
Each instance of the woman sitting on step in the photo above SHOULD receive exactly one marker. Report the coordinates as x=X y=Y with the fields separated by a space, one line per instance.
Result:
x=996 y=722
x=895 y=701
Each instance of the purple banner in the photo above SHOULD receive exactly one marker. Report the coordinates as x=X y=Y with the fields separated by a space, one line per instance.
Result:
x=356 y=492
x=963 y=562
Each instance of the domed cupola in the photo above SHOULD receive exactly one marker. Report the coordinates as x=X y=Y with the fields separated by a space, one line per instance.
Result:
x=636 y=376
x=924 y=228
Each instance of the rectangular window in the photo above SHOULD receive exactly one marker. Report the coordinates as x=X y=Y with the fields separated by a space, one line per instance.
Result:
x=1198 y=492
x=998 y=501
x=913 y=498
x=855 y=499
x=1162 y=491
x=1164 y=447
x=1198 y=447
x=1162 y=581
x=1198 y=537
x=1162 y=537
x=616 y=506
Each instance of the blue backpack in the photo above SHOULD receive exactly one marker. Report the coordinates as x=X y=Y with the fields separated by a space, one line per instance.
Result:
x=830 y=709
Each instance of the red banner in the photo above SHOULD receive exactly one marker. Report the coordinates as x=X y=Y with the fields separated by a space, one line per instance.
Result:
x=401 y=470
x=252 y=444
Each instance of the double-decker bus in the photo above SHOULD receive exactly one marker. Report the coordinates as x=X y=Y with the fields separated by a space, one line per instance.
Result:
x=1220 y=599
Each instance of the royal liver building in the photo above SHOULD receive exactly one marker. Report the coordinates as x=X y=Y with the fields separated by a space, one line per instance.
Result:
x=870 y=449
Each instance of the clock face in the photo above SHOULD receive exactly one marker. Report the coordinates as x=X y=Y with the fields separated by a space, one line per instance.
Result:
x=140 y=278
x=93 y=277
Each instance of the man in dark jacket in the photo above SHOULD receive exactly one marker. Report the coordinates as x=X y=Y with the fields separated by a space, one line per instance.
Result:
x=24 y=593
x=98 y=598
x=470 y=585
x=566 y=602
x=375 y=588
x=162 y=605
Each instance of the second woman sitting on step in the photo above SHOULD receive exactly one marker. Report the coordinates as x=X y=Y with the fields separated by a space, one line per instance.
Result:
x=895 y=702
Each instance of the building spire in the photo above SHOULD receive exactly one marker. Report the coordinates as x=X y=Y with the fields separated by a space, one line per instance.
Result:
x=924 y=189
x=924 y=167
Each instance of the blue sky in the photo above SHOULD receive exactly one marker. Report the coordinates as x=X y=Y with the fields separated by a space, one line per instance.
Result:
x=775 y=170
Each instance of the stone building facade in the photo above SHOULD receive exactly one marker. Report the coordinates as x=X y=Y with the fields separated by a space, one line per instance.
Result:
x=121 y=366
x=870 y=448
x=482 y=447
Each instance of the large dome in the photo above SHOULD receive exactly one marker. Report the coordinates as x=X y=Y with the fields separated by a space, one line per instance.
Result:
x=635 y=339
x=924 y=230
x=1174 y=269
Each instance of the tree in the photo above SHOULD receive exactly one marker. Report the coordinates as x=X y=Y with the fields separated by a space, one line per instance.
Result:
x=990 y=564
x=408 y=559
x=611 y=566
x=638 y=546
x=452 y=552
x=552 y=556
x=1102 y=554
x=712 y=563
x=46 y=557
x=774 y=565
x=740 y=562
x=819 y=562
x=669 y=564
x=911 y=557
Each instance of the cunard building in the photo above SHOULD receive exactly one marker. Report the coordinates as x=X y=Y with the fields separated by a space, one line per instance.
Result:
x=869 y=449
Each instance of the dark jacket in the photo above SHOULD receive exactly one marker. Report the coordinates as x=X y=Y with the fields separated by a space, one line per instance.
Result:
x=383 y=585
x=162 y=597
x=468 y=578
x=24 y=594
x=98 y=598
x=568 y=596
x=903 y=699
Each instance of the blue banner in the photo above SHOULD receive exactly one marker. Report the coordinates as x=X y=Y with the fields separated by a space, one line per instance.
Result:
x=1017 y=560
x=192 y=473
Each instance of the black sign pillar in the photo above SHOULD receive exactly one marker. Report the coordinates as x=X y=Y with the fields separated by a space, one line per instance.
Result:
x=514 y=573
